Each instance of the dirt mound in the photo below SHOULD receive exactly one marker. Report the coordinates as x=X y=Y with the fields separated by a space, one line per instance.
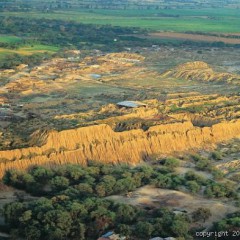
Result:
x=193 y=65
x=125 y=56
x=201 y=71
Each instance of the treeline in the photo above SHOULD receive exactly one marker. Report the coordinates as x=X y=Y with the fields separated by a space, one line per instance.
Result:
x=98 y=180
x=95 y=180
x=13 y=59
x=67 y=35
x=85 y=36
x=70 y=34
x=23 y=5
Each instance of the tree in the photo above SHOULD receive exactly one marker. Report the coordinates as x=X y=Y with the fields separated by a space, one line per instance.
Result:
x=126 y=213
x=18 y=178
x=163 y=181
x=192 y=176
x=77 y=211
x=41 y=174
x=124 y=229
x=32 y=233
x=56 y=224
x=217 y=174
x=78 y=230
x=100 y=190
x=26 y=217
x=84 y=189
x=147 y=172
x=193 y=187
x=103 y=218
x=201 y=214
x=74 y=172
x=59 y=183
x=203 y=164
x=144 y=229
x=124 y=185
x=158 y=227
x=217 y=155
x=180 y=226
x=108 y=181
x=171 y=163
x=12 y=212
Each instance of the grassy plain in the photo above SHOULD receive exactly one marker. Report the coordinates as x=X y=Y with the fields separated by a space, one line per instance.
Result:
x=28 y=50
x=222 y=20
x=9 y=39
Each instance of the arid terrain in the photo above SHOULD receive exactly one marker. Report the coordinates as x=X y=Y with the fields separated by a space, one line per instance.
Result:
x=65 y=111
x=191 y=105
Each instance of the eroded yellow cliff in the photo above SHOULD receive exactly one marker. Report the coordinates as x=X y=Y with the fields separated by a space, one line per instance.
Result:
x=101 y=143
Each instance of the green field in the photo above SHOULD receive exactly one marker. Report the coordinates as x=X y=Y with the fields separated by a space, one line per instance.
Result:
x=9 y=39
x=225 y=20
x=28 y=50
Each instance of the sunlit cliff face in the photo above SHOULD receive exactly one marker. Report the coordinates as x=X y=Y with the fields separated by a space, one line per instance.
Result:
x=101 y=143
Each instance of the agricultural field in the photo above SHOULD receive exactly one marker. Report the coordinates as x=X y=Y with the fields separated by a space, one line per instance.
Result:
x=224 y=20
x=9 y=39
x=193 y=37
x=29 y=50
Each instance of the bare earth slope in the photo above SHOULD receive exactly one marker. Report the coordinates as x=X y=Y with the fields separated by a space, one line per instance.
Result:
x=77 y=96
x=101 y=143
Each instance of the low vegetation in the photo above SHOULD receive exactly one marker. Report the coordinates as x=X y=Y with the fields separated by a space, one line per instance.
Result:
x=9 y=39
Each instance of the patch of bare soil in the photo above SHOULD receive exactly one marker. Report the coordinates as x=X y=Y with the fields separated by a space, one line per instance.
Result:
x=149 y=196
x=195 y=37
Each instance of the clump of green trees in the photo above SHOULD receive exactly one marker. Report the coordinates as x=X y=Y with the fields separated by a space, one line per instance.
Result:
x=100 y=180
x=70 y=33
x=230 y=223
x=94 y=180
x=12 y=60
x=73 y=203
x=62 y=217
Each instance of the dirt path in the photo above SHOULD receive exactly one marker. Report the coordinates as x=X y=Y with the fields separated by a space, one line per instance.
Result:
x=194 y=37
x=177 y=201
